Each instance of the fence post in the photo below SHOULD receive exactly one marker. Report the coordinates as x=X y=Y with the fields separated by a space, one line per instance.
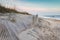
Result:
x=35 y=19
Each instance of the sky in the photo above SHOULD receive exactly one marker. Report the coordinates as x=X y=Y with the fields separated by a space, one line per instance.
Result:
x=40 y=7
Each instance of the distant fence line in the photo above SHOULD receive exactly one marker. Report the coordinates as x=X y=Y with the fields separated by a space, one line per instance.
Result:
x=7 y=16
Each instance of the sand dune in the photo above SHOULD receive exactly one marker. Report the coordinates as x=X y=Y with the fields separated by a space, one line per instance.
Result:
x=30 y=27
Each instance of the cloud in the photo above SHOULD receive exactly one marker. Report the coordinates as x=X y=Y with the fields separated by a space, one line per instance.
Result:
x=38 y=9
x=25 y=6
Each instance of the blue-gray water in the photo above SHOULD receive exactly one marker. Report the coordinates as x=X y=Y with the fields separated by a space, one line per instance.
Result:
x=52 y=16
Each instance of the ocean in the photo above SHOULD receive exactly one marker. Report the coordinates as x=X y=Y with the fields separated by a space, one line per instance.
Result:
x=52 y=16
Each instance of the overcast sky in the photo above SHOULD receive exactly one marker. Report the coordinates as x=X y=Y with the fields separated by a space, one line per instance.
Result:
x=40 y=7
